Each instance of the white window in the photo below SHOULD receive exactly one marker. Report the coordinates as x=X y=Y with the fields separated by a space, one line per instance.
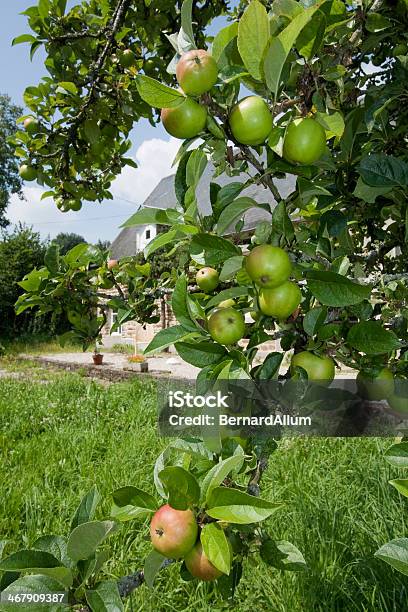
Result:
x=147 y=234
x=118 y=331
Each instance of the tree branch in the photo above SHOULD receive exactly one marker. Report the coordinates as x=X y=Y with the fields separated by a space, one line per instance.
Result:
x=96 y=77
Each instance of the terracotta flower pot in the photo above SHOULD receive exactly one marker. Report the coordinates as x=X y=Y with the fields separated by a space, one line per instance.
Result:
x=97 y=358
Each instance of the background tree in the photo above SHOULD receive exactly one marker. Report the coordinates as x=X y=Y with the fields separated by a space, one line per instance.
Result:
x=104 y=245
x=21 y=250
x=10 y=181
x=67 y=241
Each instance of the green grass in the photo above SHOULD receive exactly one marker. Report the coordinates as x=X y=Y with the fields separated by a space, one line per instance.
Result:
x=37 y=344
x=61 y=433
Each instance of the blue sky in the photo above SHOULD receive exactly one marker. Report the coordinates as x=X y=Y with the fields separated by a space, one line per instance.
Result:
x=152 y=148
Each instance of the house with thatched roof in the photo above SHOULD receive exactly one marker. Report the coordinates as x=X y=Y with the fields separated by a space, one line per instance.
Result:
x=132 y=240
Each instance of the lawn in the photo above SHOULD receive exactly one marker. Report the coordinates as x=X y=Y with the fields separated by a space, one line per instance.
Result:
x=61 y=433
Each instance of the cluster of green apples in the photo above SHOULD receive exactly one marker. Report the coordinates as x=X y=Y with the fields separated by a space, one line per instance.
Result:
x=175 y=534
x=270 y=268
x=250 y=120
x=381 y=385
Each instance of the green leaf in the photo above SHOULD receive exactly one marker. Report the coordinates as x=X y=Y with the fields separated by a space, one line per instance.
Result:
x=281 y=222
x=282 y=555
x=86 y=509
x=371 y=338
x=311 y=37
x=333 y=124
x=44 y=8
x=253 y=37
x=152 y=566
x=333 y=289
x=234 y=212
x=186 y=35
x=227 y=294
x=200 y=354
x=181 y=486
x=216 y=476
x=146 y=216
x=401 y=485
x=287 y=8
x=224 y=36
x=160 y=241
x=381 y=170
x=333 y=73
x=281 y=46
x=33 y=280
x=234 y=506
x=225 y=196
x=68 y=87
x=397 y=455
x=130 y=502
x=37 y=561
x=367 y=193
x=105 y=597
x=375 y=22
x=37 y=584
x=314 y=319
x=156 y=94
x=395 y=553
x=196 y=164
x=85 y=539
x=179 y=304
x=51 y=258
x=28 y=560
x=270 y=366
x=231 y=267
x=55 y=545
x=216 y=547
x=23 y=39
x=207 y=249
x=168 y=337
x=92 y=131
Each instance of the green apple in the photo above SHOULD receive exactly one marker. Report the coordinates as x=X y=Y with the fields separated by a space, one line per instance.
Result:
x=268 y=266
x=207 y=279
x=305 y=141
x=377 y=387
x=196 y=72
x=251 y=121
x=31 y=125
x=27 y=173
x=280 y=302
x=226 y=325
x=186 y=120
x=317 y=368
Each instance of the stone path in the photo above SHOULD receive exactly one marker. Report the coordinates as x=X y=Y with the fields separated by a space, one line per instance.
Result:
x=168 y=365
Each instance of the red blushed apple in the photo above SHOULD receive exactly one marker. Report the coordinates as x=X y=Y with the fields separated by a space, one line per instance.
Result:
x=199 y=566
x=112 y=263
x=173 y=532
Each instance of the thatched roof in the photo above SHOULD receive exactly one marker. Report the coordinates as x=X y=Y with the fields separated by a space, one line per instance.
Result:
x=164 y=196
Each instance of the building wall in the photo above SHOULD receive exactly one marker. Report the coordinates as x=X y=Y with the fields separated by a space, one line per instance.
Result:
x=132 y=332
x=144 y=234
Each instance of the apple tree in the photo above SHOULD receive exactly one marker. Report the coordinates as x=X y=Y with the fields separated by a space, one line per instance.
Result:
x=314 y=90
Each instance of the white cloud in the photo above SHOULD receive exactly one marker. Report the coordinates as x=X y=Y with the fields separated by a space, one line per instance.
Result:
x=33 y=211
x=154 y=158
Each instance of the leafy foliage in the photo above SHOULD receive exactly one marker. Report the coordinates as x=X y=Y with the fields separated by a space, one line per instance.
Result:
x=10 y=181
